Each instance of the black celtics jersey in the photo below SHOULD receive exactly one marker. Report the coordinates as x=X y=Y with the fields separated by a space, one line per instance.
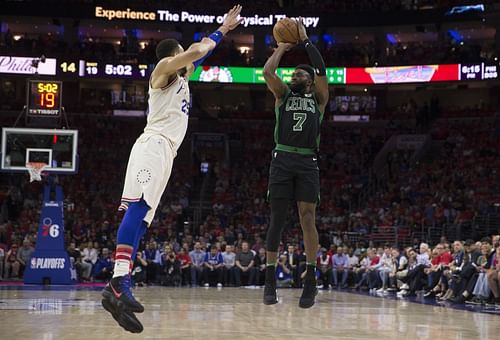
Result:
x=298 y=124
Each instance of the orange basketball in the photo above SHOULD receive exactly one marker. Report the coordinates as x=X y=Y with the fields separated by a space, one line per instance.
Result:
x=287 y=31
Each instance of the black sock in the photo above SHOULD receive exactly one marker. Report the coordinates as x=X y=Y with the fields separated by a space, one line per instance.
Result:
x=311 y=271
x=270 y=273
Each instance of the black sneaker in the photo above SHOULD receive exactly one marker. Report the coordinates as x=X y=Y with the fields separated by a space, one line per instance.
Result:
x=126 y=319
x=429 y=294
x=490 y=302
x=118 y=292
x=475 y=301
x=458 y=299
x=270 y=296
x=310 y=291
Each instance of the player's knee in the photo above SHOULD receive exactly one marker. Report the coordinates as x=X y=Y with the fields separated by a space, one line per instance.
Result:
x=307 y=218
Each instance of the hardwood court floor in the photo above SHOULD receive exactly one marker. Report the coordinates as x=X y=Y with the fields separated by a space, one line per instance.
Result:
x=235 y=313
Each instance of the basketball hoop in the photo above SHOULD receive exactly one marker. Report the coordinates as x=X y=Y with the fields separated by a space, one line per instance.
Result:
x=35 y=170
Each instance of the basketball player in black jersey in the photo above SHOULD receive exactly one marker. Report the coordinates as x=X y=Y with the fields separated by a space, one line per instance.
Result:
x=294 y=172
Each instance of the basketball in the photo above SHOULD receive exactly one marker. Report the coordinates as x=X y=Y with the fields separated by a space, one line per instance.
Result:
x=286 y=30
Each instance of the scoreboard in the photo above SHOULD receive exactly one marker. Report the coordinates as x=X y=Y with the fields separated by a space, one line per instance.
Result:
x=94 y=69
x=44 y=98
x=480 y=71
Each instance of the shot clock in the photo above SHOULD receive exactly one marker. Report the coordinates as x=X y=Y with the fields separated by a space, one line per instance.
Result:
x=44 y=98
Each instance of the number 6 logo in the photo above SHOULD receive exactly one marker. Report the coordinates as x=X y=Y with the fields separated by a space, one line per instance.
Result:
x=54 y=230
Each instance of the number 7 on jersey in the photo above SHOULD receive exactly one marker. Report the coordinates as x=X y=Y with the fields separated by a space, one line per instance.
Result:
x=300 y=117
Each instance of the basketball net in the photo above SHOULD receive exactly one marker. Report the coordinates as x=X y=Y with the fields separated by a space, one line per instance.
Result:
x=35 y=170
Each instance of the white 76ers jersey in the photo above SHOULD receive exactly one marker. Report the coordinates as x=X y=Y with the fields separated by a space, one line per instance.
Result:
x=168 y=112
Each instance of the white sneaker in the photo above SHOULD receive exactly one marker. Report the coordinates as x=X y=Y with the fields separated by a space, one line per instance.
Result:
x=219 y=285
x=405 y=286
x=380 y=290
x=206 y=285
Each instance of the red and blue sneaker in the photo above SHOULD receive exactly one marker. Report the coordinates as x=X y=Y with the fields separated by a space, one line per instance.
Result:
x=118 y=292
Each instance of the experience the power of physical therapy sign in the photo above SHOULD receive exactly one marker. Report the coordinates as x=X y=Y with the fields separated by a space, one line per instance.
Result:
x=164 y=15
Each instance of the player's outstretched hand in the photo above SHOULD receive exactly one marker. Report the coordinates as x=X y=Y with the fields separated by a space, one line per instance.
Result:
x=302 y=29
x=232 y=19
x=286 y=46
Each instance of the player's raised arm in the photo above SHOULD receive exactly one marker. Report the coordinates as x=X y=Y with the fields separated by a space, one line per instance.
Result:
x=321 y=82
x=273 y=82
x=196 y=53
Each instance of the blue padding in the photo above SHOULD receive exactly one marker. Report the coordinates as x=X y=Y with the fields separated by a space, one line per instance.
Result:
x=131 y=223
x=138 y=236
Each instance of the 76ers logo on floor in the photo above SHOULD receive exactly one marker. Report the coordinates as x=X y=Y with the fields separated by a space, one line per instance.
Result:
x=49 y=229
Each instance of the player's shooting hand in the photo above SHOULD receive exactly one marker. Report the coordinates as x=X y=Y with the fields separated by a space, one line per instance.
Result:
x=232 y=19
x=286 y=46
x=302 y=30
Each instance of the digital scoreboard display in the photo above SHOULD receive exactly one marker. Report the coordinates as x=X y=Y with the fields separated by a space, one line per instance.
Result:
x=44 y=98
x=94 y=69
x=480 y=71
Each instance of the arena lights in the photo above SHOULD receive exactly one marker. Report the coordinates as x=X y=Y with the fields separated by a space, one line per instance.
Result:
x=456 y=36
x=465 y=9
x=391 y=39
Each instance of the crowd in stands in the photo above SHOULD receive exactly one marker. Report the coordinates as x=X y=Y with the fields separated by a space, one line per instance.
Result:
x=461 y=183
x=461 y=272
x=227 y=248
x=128 y=49
x=351 y=54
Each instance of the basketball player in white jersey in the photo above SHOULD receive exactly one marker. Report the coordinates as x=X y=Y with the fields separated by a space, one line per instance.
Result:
x=151 y=159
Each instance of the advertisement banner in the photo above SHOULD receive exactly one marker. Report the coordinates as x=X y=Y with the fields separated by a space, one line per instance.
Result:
x=254 y=75
x=402 y=74
x=165 y=15
x=25 y=65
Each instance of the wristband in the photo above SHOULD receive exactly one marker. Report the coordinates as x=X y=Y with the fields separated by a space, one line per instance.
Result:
x=217 y=37
x=306 y=42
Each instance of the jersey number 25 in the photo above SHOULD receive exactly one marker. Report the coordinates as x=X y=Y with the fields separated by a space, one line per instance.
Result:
x=185 y=107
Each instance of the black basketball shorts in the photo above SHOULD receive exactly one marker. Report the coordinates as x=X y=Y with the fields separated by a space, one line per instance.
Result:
x=294 y=176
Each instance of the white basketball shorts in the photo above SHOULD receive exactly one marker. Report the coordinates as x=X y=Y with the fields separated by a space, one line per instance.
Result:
x=148 y=170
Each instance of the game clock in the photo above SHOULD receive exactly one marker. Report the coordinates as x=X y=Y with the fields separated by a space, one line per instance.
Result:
x=102 y=70
x=44 y=98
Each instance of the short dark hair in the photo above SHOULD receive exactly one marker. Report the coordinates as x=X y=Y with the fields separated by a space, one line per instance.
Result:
x=166 y=48
x=308 y=68
x=486 y=240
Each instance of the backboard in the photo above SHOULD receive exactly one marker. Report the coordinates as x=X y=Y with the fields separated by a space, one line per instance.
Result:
x=56 y=147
